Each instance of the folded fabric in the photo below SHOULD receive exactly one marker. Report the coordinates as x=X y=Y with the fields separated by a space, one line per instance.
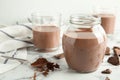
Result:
x=13 y=43
x=14 y=37
x=6 y=67
x=7 y=64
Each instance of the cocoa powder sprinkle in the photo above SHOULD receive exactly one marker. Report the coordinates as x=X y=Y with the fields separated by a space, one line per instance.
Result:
x=44 y=66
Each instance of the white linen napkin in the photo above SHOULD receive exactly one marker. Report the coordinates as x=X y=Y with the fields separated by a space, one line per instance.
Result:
x=14 y=37
x=7 y=64
x=13 y=42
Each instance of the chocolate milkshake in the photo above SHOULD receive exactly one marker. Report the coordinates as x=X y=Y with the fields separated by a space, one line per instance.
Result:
x=46 y=37
x=83 y=50
x=108 y=22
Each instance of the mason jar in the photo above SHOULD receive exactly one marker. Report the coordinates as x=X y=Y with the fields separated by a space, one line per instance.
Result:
x=84 y=43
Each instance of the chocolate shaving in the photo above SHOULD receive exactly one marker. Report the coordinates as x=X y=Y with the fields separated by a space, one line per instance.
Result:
x=114 y=60
x=107 y=52
x=34 y=77
x=107 y=78
x=59 y=56
x=44 y=66
x=116 y=50
x=107 y=71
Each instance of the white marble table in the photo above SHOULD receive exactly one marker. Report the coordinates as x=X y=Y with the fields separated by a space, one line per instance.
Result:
x=26 y=72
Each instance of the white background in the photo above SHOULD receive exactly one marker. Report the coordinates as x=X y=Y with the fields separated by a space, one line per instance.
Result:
x=18 y=10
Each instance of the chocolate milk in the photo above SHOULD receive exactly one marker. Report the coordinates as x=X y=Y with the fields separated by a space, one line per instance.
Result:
x=46 y=37
x=83 y=52
x=108 y=22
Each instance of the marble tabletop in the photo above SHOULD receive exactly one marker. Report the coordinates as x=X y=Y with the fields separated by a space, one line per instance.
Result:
x=26 y=72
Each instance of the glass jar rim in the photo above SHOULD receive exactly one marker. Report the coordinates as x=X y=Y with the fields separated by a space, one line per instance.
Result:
x=84 y=19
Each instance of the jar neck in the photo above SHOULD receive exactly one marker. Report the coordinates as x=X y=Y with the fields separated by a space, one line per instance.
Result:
x=84 y=21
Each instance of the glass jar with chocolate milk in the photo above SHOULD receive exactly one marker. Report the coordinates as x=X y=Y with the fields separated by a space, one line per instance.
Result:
x=107 y=19
x=84 y=43
x=46 y=31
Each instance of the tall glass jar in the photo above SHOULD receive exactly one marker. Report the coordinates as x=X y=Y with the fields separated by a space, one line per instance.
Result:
x=84 y=43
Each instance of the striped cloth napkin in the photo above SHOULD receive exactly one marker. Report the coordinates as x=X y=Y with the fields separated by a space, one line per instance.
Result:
x=14 y=41
x=14 y=37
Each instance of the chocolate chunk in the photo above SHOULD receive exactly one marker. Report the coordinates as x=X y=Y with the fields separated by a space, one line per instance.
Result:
x=116 y=50
x=107 y=52
x=107 y=78
x=59 y=56
x=50 y=66
x=114 y=60
x=44 y=66
x=57 y=66
x=116 y=47
x=107 y=71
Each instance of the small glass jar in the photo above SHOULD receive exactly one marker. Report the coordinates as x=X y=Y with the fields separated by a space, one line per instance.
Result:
x=108 y=19
x=46 y=30
x=84 y=43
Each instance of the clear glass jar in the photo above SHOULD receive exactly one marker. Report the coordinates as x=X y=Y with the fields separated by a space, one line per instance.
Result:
x=108 y=19
x=46 y=30
x=84 y=43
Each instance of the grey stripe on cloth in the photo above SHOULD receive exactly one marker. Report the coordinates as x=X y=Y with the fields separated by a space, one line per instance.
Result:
x=24 y=41
x=2 y=52
x=14 y=37
x=6 y=60
x=29 y=20
x=26 y=26
x=7 y=34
